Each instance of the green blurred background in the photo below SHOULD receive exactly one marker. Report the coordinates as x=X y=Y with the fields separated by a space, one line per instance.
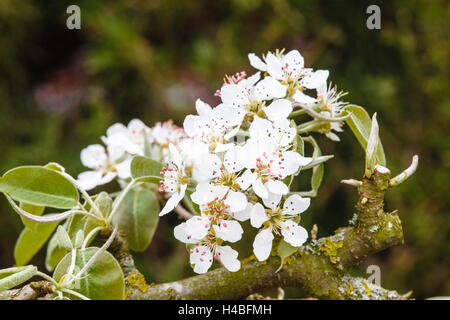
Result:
x=60 y=89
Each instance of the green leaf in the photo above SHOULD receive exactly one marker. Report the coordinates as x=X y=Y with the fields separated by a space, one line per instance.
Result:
x=146 y=169
x=30 y=241
x=55 y=166
x=32 y=209
x=361 y=124
x=190 y=205
x=300 y=145
x=137 y=217
x=285 y=250
x=317 y=176
x=11 y=277
x=39 y=186
x=317 y=171
x=79 y=239
x=104 y=203
x=63 y=238
x=103 y=280
x=372 y=143
x=54 y=253
x=75 y=223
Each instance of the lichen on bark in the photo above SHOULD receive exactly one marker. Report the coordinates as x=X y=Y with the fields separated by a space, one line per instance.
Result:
x=319 y=267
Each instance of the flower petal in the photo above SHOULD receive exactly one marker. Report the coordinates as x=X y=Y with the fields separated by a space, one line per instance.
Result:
x=229 y=231
x=315 y=79
x=123 y=169
x=262 y=245
x=294 y=234
x=175 y=156
x=256 y=62
x=278 y=109
x=171 y=203
x=260 y=189
x=232 y=161
x=202 y=258
x=272 y=200
x=89 y=179
x=267 y=89
x=93 y=156
x=277 y=186
x=236 y=200
x=181 y=234
x=274 y=66
x=198 y=227
x=246 y=179
x=258 y=215
x=294 y=63
x=303 y=98
x=203 y=109
x=206 y=167
x=243 y=215
x=295 y=204
x=206 y=192
x=228 y=256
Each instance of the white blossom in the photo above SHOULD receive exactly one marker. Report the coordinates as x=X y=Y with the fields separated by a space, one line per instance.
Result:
x=331 y=106
x=240 y=156
x=267 y=165
x=208 y=244
x=131 y=138
x=213 y=126
x=106 y=164
x=249 y=98
x=175 y=180
x=278 y=221
x=290 y=70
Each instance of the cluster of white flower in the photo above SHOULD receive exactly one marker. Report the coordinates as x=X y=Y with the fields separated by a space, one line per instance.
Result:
x=122 y=143
x=238 y=156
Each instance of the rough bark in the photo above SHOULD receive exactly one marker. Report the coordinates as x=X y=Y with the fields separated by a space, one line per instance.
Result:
x=320 y=267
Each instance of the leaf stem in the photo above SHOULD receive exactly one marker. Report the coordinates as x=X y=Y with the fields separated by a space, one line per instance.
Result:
x=84 y=193
x=118 y=200
x=72 y=292
x=50 y=218
x=97 y=254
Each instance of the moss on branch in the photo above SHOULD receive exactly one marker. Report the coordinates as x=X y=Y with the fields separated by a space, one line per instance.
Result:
x=319 y=267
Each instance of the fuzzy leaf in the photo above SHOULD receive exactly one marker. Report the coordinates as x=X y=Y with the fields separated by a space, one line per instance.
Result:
x=137 y=217
x=146 y=169
x=11 y=277
x=32 y=209
x=285 y=250
x=361 y=124
x=103 y=280
x=74 y=224
x=30 y=241
x=39 y=186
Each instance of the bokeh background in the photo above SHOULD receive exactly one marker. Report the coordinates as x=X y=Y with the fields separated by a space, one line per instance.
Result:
x=60 y=89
